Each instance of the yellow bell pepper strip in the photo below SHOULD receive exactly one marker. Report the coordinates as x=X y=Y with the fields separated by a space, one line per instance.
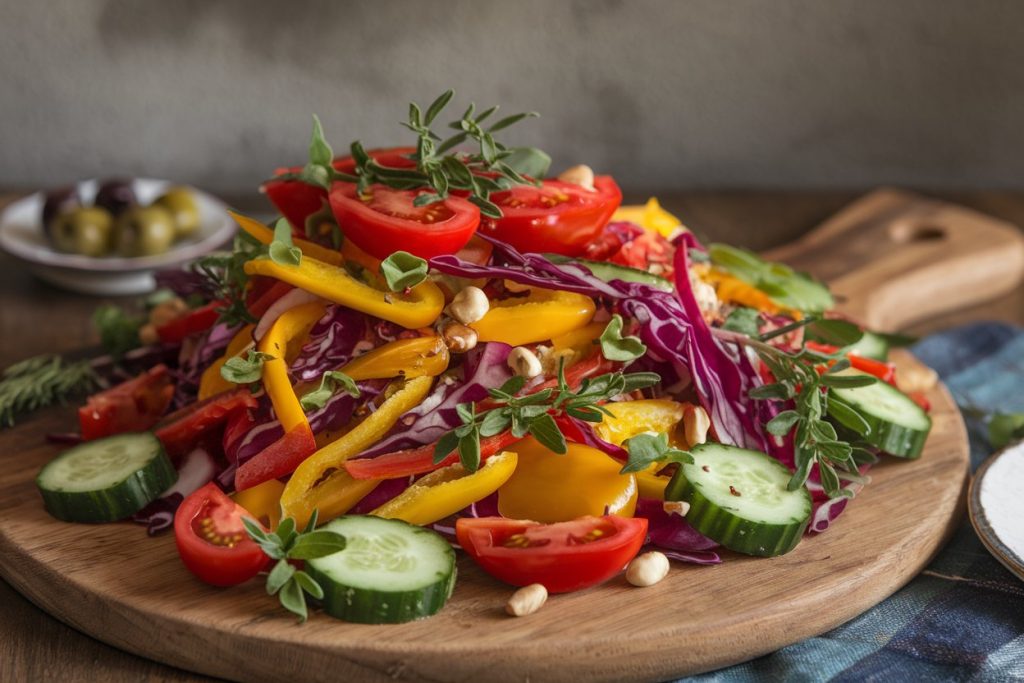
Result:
x=651 y=484
x=629 y=418
x=446 y=491
x=263 y=502
x=542 y=315
x=419 y=307
x=211 y=382
x=547 y=487
x=293 y=325
x=649 y=216
x=321 y=482
x=582 y=341
x=408 y=358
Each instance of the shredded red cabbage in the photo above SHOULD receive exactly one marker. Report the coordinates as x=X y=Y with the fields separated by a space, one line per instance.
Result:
x=672 y=535
x=196 y=469
x=332 y=343
x=195 y=357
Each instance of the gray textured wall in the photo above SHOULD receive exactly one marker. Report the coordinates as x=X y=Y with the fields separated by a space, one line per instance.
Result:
x=722 y=93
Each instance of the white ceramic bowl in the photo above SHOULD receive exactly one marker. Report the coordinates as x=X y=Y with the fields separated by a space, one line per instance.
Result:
x=21 y=235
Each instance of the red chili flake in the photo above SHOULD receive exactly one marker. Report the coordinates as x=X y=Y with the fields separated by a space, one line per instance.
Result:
x=734 y=492
x=706 y=468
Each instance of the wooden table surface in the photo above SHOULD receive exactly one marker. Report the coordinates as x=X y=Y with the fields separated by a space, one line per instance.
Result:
x=36 y=318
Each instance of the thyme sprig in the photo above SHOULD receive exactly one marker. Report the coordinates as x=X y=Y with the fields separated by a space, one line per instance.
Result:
x=225 y=278
x=440 y=166
x=535 y=413
x=799 y=379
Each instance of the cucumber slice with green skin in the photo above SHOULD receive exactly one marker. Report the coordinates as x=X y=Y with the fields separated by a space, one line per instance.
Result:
x=389 y=572
x=740 y=499
x=872 y=346
x=899 y=426
x=613 y=271
x=107 y=479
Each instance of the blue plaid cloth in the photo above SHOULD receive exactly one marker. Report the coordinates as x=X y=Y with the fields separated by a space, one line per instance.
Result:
x=962 y=619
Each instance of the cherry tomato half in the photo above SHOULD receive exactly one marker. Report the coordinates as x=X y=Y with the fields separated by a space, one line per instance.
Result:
x=212 y=541
x=564 y=557
x=297 y=201
x=385 y=221
x=132 y=406
x=557 y=217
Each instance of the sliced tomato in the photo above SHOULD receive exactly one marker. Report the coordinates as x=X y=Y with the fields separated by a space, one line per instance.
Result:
x=132 y=406
x=385 y=220
x=563 y=557
x=420 y=460
x=297 y=201
x=557 y=217
x=279 y=459
x=181 y=431
x=212 y=541
x=193 y=322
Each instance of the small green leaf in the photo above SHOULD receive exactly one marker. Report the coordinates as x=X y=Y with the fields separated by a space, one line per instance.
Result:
x=293 y=600
x=776 y=391
x=646 y=449
x=616 y=347
x=743 y=320
x=528 y=161
x=639 y=380
x=282 y=250
x=848 y=416
x=545 y=430
x=310 y=546
x=835 y=332
x=308 y=584
x=783 y=423
x=402 y=270
x=330 y=382
x=437 y=106
x=496 y=421
x=245 y=370
x=469 y=451
x=848 y=381
x=313 y=519
x=279 y=576
x=445 y=445
x=320 y=153
x=286 y=532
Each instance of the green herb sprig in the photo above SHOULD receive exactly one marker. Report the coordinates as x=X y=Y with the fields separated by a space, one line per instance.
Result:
x=797 y=379
x=39 y=382
x=238 y=370
x=292 y=585
x=439 y=167
x=403 y=270
x=225 y=278
x=616 y=347
x=282 y=250
x=647 y=449
x=534 y=414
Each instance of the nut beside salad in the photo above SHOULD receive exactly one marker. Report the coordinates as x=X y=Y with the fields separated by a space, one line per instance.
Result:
x=439 y=344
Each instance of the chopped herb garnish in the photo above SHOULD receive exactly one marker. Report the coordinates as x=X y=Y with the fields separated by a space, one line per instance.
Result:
x=616 y=347
x=402 y=270
x=246 y=370
x=282 y=250
x=330 y=383
x=41 y=381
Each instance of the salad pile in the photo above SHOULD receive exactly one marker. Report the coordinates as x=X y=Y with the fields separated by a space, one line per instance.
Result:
x=439 y=344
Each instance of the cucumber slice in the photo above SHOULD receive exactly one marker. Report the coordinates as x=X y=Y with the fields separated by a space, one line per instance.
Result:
x=107 y=479
x=389 y=572
x=614 y=271
x=740 y=499
x=898 y=425
x=871 y=345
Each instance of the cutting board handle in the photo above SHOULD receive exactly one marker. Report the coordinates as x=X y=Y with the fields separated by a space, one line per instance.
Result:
x=893 y=258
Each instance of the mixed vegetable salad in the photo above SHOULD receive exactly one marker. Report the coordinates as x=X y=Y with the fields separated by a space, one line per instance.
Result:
x=439 y=345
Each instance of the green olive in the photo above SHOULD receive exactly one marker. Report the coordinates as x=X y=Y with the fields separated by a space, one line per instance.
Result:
x=182 y=206
x=84 y=231
x=144 y=231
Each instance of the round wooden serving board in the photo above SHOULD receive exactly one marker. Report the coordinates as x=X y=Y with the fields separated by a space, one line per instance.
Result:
x=115 y=583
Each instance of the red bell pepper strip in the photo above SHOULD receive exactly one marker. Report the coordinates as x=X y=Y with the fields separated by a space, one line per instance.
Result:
x=132 y=406
x=193 y=322
x=279 y=459
x=182 y=430
x=420 y=460
x=883 y=371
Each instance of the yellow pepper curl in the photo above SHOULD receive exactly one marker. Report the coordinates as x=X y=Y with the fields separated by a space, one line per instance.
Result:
x=542 y=315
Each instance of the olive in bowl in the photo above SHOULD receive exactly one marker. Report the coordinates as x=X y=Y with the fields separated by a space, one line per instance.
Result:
x=86 y=231
x=144 y=231
x=116 y=196
x=181 y=204
x=60 y=201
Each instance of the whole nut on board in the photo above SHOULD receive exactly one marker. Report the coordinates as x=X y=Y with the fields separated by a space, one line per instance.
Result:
x=647 y=569
x=469 y=305
x=696 y=424
x=527 y=600
x=458 y=337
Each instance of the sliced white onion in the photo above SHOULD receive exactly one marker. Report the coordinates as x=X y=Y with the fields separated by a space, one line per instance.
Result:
x=294 y=298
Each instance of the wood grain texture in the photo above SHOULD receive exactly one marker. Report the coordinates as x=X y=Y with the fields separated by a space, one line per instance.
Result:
x=34 y=646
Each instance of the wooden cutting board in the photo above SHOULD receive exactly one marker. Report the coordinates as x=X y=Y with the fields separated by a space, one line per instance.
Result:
x=131 y=591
